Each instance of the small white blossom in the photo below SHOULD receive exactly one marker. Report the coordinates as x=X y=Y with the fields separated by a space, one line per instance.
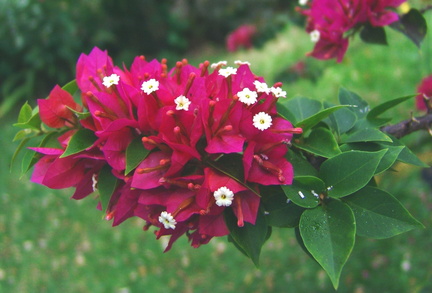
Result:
x=278 y=92
x=110 y=80
x=223 y=196
x=315 y=36
x=303 y=2
x=238 y=63
x=182 y=103
x=167 y=220
x=218 y=64
x=262 y=120
x=261 y=87
x=150 y=86
x=227 y=71
x=247 y=96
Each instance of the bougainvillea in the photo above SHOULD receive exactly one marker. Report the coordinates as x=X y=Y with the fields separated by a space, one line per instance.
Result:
x=241 y=37
x=331 y=23
x=424 y=91
x=160 y=135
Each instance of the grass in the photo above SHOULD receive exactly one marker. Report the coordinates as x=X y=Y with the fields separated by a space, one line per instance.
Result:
x=50 y=243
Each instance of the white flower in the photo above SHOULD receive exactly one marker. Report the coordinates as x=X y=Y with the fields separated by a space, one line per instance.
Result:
x=110 y=80
x=218 y=64
x=303 y=2
x=150 y=86
x=262 y=121
x=182 y=103
x=247 y=96
x=278 y=92
x=227 y=71
x=223 y=196
x=315 y=36
x=261 y=87
x=167 y=220
x=238 y=63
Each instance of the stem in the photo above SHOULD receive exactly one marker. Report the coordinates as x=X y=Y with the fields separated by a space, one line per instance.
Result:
x=408 y=126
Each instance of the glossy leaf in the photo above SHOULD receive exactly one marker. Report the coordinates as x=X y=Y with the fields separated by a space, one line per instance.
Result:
x=80 y=141
x=359 y=106
x=373 y=34
x=413 y=25
x=387 y=160
x=328 y=233
x=365 y=135
x=33 y=123
x=304 y=191
x=350 y=171
x=135 y=154
x=342 y=120
x=299 y=108
x=378 y=214
x=25 y=113
x=279 y=211
x=313 y=120
x=232 y=166
x=320 y=142
x=406 y=155
x=80 y=115
x=300 y=164
x=382 y=108
x=250 y=238
x=106 y=185
x=31 y=157
x=71 y=87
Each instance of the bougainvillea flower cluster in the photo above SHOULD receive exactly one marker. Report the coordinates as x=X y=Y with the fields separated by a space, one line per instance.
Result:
x=191 y=121
x=424 y=91
x=241 y=37
x=331 y=22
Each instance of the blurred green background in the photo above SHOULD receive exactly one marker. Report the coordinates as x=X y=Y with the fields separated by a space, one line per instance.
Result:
x=50 y=243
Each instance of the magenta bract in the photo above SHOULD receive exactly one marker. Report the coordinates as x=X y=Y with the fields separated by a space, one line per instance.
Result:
x=189 y=120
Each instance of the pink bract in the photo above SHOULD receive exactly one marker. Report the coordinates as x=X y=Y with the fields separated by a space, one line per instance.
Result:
x=335 y=20
x=182 y=170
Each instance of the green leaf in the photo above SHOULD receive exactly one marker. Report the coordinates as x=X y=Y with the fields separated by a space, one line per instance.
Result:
x=304 y=191
x=80 y=141
x=18 y=150
x=24 y=133
x=300 y=164
x=328 y=232
x=34 y=122
x=279 y=211
x=359 y=106
x=366 y=135
x=320 y=142
x=106 y=185
x=299 y=108
x=31 y=157
x=406 y=155
x=342 y=121
x=413 y=25
x=373 y=34
x=80 y=115
x=313 y=120
x=250 y=238
x=71 y=87
x=232 y=166
x=135 y=154
x=387 y=160
x=379 y=215
x=25 y=113
x=348 y=172
x=378 y=110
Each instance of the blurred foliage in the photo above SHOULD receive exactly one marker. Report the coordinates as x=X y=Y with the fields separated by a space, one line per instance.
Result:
x=40 y=40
